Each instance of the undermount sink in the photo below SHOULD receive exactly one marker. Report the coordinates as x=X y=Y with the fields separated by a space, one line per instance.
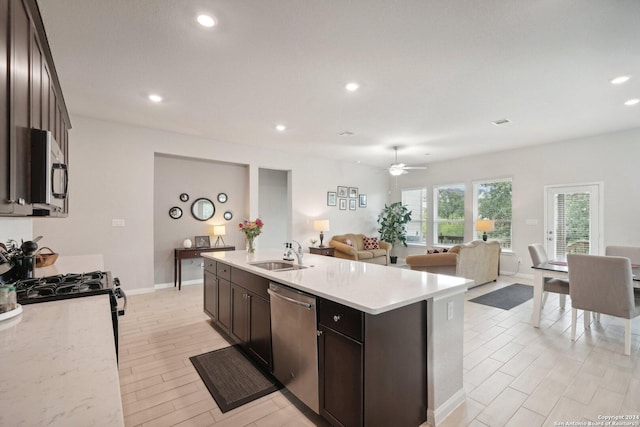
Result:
x=277 y=265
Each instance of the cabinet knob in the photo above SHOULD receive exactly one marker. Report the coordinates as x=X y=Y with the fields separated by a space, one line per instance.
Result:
x=336 y=318
x=318 y=333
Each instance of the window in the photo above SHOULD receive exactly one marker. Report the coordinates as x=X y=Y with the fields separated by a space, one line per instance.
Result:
x=448 y=224
x=492 y=200
x=416 y=202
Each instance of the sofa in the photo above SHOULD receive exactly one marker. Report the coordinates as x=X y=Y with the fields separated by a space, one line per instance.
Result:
x=477 y=260
x=352 y=246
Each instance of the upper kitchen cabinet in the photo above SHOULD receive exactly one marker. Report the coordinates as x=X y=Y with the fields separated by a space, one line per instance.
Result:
x=30 y=98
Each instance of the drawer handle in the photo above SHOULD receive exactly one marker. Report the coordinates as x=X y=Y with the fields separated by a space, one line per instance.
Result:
x=336 y=318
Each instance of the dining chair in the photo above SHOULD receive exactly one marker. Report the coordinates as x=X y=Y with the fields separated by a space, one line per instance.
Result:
x=631 y=252
x=603 y=284
x=558 y=286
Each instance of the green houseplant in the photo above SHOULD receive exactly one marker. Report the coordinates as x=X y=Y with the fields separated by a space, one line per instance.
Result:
x=393 y=225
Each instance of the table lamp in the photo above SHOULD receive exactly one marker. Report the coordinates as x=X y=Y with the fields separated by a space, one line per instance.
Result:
x=321 y=225
x=485 y=225
x=219 y=230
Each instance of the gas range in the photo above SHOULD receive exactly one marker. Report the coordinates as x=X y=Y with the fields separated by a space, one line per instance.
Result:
x=65 y=286
x=74 y=285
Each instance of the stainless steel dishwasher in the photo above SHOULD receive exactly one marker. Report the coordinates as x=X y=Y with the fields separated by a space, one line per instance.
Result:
x=295 y=343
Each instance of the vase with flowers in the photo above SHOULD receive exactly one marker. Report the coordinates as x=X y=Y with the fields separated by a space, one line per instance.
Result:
x=251 y=230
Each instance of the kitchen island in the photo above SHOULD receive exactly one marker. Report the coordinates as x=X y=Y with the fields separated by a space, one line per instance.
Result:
x=59 y=369
x=395 y=303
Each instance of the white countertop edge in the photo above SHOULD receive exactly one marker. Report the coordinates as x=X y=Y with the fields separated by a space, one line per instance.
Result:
x=316 y=264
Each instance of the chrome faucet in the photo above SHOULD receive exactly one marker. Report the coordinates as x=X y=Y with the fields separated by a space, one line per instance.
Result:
x=299 y=253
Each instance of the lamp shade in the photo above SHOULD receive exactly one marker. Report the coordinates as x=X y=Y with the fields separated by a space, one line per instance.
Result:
x=485 y=225
x=219 y=230
x=321 y=225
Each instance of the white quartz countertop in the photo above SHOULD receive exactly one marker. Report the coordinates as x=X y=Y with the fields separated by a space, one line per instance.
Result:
x=370 y=288
x=59 y=365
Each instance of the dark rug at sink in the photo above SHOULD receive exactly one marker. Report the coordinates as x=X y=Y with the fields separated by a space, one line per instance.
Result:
x=232 y=378
x=507 y=297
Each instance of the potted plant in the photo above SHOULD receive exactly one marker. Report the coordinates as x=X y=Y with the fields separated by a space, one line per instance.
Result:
x=393 y=225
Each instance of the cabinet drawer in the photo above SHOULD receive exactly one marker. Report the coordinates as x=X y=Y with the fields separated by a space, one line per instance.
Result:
x=223 y=271
x=251 y=282
x=210 y=266
x=340 y=318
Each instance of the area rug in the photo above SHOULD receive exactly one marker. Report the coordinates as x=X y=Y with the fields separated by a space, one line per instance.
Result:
x=232 y=378
x=506 y=298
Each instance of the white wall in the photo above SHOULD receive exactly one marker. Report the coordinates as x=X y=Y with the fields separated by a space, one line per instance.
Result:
x=17 y=229
x=112 y=177
x=197 y=178
x=611 y=158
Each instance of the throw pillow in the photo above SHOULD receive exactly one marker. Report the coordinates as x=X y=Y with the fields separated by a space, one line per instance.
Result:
x=348 y=242
x=371 y=243
x=437 y=251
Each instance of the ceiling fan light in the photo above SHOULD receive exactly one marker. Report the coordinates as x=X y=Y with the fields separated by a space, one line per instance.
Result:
x=396 y=170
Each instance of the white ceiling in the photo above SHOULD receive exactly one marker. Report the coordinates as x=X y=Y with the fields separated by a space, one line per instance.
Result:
x=433 y=74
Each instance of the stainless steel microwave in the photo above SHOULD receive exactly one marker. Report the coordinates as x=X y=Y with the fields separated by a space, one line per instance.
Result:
x=49 y=174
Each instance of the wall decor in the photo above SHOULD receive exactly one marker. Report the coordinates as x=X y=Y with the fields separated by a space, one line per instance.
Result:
x=175 y=212
x=222 y=197
x=184 y=197
x=353 y=192
x=203 y=209
x=352 y=204
x=203 y=242
x=363 y=201
x=343 y=191
x=228 y=215
x=331 y=198
x=343 y=204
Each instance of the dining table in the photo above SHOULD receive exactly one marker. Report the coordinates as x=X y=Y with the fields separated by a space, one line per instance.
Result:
x=559 y=269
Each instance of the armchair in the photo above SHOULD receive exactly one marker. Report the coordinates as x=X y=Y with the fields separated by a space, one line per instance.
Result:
x=477 y=260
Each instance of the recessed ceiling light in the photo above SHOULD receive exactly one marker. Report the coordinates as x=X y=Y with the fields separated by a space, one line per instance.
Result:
x=619 y=80
x=501 y=122
x=352 y=86
x=281 y=128
x=206 y=21
x=155 y=98
x=630 y=102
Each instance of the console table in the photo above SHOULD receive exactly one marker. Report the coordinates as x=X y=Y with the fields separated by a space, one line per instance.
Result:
x=183 y=253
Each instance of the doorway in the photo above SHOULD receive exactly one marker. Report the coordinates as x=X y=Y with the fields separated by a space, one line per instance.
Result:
x=274 y=207
x=573 y=219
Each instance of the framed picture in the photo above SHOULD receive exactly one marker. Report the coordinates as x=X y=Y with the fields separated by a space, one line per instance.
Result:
x=353 y=192
x=352 y=204
x=331 y=198
x=363 y=201
x=343 y=204
x=203 y=242
x=343 y=191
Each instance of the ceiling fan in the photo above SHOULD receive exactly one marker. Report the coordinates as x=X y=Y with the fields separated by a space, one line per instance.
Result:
x=397 y=169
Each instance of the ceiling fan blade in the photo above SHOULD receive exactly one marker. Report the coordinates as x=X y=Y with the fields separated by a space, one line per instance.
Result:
x=416 y=167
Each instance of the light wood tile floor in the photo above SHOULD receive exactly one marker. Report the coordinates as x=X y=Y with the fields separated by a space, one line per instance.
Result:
x=514 y=375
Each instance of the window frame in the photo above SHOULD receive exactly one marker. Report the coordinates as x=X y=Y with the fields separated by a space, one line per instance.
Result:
x=436 y=219
x=424 y=225
x=476 y=205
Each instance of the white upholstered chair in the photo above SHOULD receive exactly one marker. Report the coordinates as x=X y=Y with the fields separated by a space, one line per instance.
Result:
x=631 y=252
x=558 y=286
x=603 y=284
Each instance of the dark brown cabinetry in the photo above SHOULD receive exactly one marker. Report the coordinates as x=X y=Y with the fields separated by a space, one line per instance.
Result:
x=29 y=91
x=238 y=304
x=371 y=367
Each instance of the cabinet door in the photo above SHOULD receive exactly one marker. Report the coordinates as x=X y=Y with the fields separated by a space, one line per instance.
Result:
x=20 y=109
x=224 y=304
x=36 y=81
x=4 y=107
x=211 y=295
x=341 y=378
x=239 y=313
x=260 y=329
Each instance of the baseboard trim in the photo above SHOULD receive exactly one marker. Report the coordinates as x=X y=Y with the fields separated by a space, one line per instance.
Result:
x=437 y=416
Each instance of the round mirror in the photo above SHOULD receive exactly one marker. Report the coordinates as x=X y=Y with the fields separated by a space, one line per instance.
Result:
x=222 y=197
x=184 y=197
x=175 y=212
x=228 y=215
x=202 y=209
